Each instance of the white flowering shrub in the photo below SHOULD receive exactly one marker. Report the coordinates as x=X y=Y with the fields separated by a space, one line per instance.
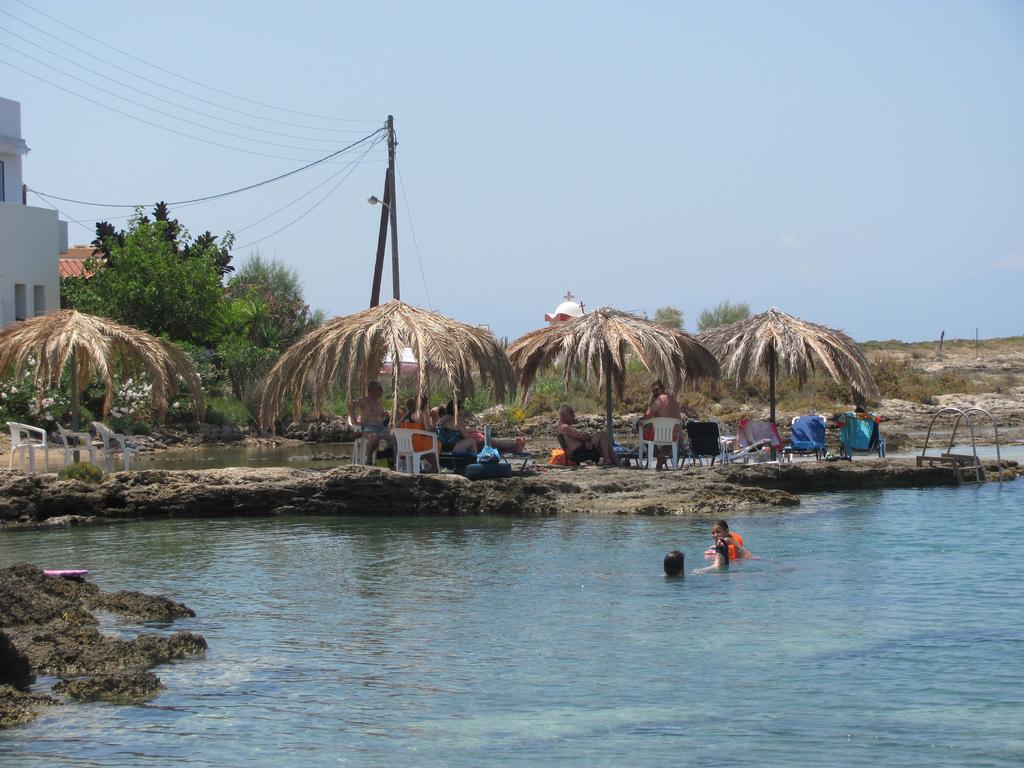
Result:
x=19 y=401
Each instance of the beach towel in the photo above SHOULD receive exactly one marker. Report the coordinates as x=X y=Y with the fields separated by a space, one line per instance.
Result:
x=808 y=433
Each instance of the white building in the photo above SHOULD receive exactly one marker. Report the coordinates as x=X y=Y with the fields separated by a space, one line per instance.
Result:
x=31 y=239
x=569 y=309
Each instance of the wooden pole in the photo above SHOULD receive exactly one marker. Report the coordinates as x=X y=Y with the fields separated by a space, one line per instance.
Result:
x=393 y=209
x=382 y=239
x=608 y=400
x=771 y=386
x=74 y=392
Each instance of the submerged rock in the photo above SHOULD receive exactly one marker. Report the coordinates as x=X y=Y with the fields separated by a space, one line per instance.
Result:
x=48 y=628
x=125 y=688
x=19 y=707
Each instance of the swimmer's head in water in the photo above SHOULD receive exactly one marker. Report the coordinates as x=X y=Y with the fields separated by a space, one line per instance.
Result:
x=674 y=563
x=719 y=528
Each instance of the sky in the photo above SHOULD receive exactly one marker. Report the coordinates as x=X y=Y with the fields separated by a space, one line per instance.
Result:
x=860 y=165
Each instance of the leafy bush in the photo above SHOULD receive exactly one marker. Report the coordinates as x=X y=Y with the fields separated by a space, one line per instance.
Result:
x=222 y=411
x=723 y=314
x=83 y=472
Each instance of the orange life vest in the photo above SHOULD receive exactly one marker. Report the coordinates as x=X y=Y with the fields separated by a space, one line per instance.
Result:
x=732 y=547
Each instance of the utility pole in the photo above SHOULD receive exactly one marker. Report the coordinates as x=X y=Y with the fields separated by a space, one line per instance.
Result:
x=396 y=293
x=382 y=239
x=388 y=214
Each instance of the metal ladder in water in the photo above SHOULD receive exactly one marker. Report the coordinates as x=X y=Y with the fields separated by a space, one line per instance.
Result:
x=960 y=461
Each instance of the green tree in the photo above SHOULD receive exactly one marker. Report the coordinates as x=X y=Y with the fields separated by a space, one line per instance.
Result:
x=275 y=295
x=670 y=316
x=723 y=314
x=153 y=276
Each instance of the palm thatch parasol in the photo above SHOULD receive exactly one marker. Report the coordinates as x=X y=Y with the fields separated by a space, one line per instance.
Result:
x=773 y=338
x=349 y=351
x=99 y=347
x=599 y=342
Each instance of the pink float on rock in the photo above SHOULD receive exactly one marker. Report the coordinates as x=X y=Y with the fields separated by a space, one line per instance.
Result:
x=68 y=573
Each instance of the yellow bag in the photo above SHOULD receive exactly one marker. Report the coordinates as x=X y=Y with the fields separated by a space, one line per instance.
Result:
x=557 y=457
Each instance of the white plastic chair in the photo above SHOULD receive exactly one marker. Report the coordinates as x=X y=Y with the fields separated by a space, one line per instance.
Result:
x=75 y=442
x=113 y=442
x=28 y=439
x=666 y=433
x=404 y=449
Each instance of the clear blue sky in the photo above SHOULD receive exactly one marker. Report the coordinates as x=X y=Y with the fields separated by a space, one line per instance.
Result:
x=858 y=164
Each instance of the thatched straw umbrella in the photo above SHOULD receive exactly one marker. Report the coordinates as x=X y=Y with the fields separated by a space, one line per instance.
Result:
x=765 y=342
x=99 y=347
x=599 y=342
x=348 y=351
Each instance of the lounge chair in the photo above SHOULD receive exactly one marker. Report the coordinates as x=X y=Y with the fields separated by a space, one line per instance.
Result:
x=661 y=431
x=705 y=441
x=28 y=439
x=114 y=442
x=406 y=442
x=859 y=433
x=74 y=444
x=753 y=436
x=807 y=436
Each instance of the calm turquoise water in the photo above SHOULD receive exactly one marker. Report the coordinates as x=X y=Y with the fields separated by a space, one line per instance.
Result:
x=886 y=629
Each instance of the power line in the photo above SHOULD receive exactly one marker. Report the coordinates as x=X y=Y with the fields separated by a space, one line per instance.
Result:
x=306 y=194
x=175 y=74
x=307 y=211
x=90 y=230
x=408 y=215
x=146 y=93
x=233 y=191
x=166 y=114
x=149 y=122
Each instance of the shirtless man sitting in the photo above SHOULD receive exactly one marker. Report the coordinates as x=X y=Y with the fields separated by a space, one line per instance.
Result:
x=662 y=404
x=581 y=447
x=367 y=415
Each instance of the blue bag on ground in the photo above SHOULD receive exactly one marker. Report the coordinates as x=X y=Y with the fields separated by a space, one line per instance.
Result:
x=488 y=455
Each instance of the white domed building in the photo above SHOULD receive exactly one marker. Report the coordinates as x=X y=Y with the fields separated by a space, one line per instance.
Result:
x=569 y=309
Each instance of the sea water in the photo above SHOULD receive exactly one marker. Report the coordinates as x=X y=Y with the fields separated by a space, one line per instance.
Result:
x=881 y=628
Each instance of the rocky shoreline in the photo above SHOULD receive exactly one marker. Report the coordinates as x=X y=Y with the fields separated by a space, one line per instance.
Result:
x=43 y=500
x=47 y=626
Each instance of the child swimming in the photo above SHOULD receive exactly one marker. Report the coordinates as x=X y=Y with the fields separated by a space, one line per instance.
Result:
x=732 y=540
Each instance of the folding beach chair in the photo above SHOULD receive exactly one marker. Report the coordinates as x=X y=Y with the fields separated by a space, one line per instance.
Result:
x=807 y=436
x=705 y=440
x=753 y=441
x=859 y=433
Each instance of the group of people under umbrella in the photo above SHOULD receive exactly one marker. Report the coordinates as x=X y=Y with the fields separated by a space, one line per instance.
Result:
x=347 y=352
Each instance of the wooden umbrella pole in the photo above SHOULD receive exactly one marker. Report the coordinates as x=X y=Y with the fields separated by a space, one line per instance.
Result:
x=74 y=392
x=771 y=386
x=396 y=368
x=608 y=399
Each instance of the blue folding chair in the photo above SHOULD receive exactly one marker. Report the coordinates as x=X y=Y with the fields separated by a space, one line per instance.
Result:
x=807 y=435
x=859 y=434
